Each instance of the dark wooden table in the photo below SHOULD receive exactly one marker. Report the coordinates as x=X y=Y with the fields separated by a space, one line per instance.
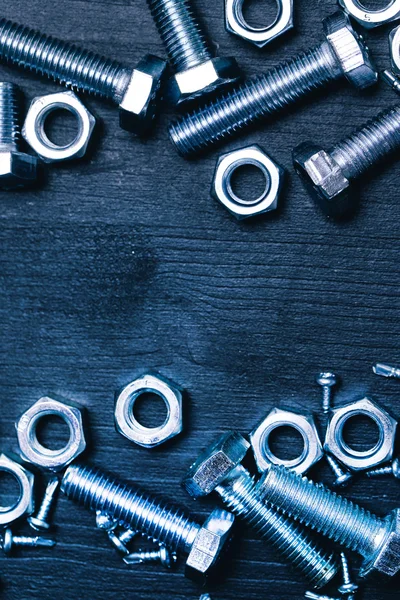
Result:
x=123 y=263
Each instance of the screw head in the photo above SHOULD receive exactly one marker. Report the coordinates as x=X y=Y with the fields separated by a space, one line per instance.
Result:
x=326 y=379
x=342 y=480
x=7 y=541
x=167 y=558
x=396 y=468
x=348 y=588
x=38 y=524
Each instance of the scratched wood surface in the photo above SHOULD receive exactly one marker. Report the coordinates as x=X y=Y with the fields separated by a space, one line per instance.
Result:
x=123 y=263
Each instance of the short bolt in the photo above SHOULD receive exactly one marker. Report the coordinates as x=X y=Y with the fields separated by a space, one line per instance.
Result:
x=163 y=556
x=348 y=588
x=343 y=476
x=147 y=514
x=376 y=539
x=326 y=380
x=313 y=596
x=105 y=522
x=341 y=54
x=10 y=541
x=386 y=370
x=393 y=469
x=391 y=79
x=17 y=168
x=135 y=91
x=219 y=469
x=121 y=541
x=328 y=175
x=41 y=522
x=197 y=70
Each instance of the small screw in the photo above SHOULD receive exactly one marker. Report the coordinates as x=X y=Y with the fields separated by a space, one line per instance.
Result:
x=105 y=522
x=386 y=370
x=40 y=521
x=348 y=588
x=313 y=596
x=392 y=469
x=326 y=380
x=121 y=541
x=343 y=476
x=163 y=555
x=391 y=79
x=10 y=540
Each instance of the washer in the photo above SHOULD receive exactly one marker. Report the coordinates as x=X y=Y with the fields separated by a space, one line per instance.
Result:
x=25 y=503
x=372 y=18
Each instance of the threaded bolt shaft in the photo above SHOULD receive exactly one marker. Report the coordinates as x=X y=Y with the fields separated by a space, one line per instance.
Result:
x=369 y=145
x=131 y=506
x=328 y=513
x=255 y=99
x=238 y=493
x=10 y=125
x=40 y=521
x=180 y=31
x=343 y=476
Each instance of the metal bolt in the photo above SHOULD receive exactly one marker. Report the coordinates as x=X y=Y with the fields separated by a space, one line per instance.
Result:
x=17 y=169
x=121 y=541
x=376 y=539
x=313 y=596
x=264 y=95
x=343 y=476
x=392 y=469
x=105 y=522
x=10 y=540
x=147 y=514
x=163 y=556
x=197 y=70
x=219 y=469
x=40 y=522
x=329 y=174
x=348 y=588
x=386 y=370
x=326 y=380
x=135 y=91
x=391 y=79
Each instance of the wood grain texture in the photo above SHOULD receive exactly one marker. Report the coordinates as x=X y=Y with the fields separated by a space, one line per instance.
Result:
x=123 y=263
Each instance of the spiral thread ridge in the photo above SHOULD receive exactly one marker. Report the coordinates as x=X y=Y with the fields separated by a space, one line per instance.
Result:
x=132 y=507
x=63 y=62
x=292 y=541
x=10 y=126
x=323 y=510
x=370 y=144
x=185 y=42
x=255 y=99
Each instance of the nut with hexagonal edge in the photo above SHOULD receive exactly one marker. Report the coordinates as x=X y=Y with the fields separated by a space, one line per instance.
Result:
x=236 y=23
x=23 y=505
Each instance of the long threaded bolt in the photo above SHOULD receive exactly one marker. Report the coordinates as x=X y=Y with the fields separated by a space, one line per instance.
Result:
x=376 y=539
x=348 y=588
x=342 y=53
x=135 y=91
x=10 y=541
x=343 y=476
x=219 y=469
x=386 y=370
x=139 y=511
x=40 y=522
x=313 y=596
x=197 y=70
x=17 y=168
x=163 y=556
x=326 y=380
x=392 y=470
x=391 y=79
x=328 y=175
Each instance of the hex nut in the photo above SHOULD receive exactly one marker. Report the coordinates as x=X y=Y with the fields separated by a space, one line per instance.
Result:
x=208 y=544
x=222 y=189
x=303 y=423
x=354 y=459
x=37 y=454
x=202 y=79
x=140 y=102
x=259 y=36
x=25 y=504
x=352 y=55
x=371 y=18
x=394 y=41
x=34 y=127
x=128 y=426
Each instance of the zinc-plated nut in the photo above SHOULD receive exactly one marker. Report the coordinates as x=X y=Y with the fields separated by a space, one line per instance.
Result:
x=34 y=127
x=304 y=424
x=259 y=36
x=394 y=39
x=25 y=504
x=369 y=18
x=128 y=426
x=222 y=189
x=33 y=451
x=357 y=460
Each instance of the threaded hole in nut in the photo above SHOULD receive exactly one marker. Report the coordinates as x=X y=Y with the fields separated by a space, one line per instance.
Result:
x=286 y=443
x=248 y=183
x=150 y=410
x=259 y=14
x=361 y=433
x=61 y=127
x=10 y=491
x=374 y=4
x=52 y=432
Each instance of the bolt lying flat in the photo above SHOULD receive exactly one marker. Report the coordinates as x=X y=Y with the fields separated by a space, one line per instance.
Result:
x=163 y=556
x=393 y=469
x=10 y=541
